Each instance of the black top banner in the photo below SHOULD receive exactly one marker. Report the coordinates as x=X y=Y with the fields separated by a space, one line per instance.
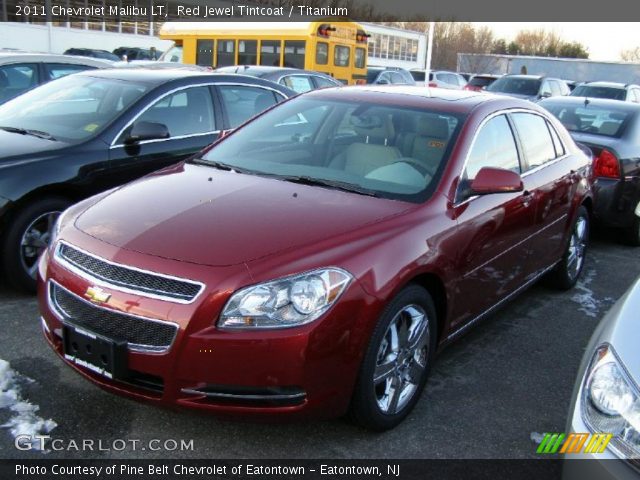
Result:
x=34 y=11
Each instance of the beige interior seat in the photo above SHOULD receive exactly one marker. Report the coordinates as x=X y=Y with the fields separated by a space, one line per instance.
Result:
x=430 y=141
x=373 y=151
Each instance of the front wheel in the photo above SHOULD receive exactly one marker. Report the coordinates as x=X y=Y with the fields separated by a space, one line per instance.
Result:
x=27 y=237
x=567 y=272
x=397 y=361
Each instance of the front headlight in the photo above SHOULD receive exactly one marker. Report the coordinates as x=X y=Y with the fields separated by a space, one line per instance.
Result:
x=287 y=302
x=57 y=227
x=611 y=403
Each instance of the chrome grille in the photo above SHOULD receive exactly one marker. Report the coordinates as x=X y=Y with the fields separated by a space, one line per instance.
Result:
x=140 y=333
x=137 y=281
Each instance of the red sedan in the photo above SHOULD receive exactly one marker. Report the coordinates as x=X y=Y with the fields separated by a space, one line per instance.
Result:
x=316 y=259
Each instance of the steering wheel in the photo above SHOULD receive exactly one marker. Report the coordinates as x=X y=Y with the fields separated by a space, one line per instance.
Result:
x=421 y=167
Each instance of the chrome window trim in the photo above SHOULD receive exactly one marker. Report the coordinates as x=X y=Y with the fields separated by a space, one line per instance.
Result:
x=135 y=347
x=171 y=92
x=522 y=174
x=104 y=283
x=237 y=396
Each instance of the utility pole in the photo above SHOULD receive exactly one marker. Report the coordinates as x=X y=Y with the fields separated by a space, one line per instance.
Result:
x=432 y=26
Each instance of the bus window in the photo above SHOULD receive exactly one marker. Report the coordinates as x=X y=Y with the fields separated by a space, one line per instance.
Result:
x=294 y=53
x=270 y=53
x=204 y=53
x=361 y=55
x=226 y=53
x=247 y=52
x=322 y=53
x=341 y=56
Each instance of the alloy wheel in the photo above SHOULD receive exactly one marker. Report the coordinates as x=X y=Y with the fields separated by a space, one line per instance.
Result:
x=577 y=247
x=401 y=359
x=35 y=240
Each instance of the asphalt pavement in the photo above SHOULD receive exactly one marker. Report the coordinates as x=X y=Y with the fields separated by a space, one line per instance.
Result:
x=510 y=377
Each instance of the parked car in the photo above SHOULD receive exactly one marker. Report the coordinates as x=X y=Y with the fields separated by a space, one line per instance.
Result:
x=440 y=79
x=606 y=397
x=478 y=83
x=89 y=132
x=612 y=130
x=293 y=78
x=529 y=87
x=136 y=53
x=612 y=90
x=320 y=254
x=92 y=53
x=389 y=76
x=20 y=72
x=157 y=65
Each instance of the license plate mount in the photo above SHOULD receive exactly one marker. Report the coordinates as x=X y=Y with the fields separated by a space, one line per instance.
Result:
x=100 y=355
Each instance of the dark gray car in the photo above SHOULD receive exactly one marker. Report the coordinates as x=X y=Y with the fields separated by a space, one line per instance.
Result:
x=529 y=87
x=296 y=79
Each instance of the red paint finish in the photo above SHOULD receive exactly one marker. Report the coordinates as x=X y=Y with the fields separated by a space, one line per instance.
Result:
x=230 y=230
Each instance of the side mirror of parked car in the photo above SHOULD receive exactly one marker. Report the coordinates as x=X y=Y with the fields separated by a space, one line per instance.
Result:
x=147 y=131
x=496 y=180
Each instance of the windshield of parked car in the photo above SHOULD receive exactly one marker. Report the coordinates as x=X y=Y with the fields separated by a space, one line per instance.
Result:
x=374 y=149
x=71 y=109
x=517 y=85
x=599 y=92
x=594 y=119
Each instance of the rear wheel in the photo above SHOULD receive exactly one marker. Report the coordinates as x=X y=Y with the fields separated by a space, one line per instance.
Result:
x=28 y=235
x=397 y=362
x=567 y=272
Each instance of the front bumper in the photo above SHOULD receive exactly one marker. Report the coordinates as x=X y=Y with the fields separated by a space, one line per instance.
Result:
x=616 y=201
x=308 y=370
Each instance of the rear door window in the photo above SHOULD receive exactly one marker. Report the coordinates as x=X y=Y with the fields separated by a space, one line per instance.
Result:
x=57 y=70
x=298 y=83
x=535 y=138
x=243 y=102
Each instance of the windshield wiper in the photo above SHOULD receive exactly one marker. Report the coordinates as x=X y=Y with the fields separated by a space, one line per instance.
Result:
x=335 y=184
x=27 y=131
x=220 y=165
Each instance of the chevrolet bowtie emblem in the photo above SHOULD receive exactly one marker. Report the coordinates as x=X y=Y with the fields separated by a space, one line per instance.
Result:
x=97 y=295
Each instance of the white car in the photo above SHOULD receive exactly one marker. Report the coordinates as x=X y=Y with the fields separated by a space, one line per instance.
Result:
x=440 y=79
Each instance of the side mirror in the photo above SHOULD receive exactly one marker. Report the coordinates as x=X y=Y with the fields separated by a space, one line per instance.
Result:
x=147 y=131
x=545 y=94
x=496 y=180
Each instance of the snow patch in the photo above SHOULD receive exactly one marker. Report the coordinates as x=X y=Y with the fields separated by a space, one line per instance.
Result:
x=589 y=304
x=24 y=420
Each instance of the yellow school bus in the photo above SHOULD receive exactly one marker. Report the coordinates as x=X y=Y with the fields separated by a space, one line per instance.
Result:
x=338 y=49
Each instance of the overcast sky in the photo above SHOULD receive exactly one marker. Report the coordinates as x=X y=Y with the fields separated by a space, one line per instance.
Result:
x=604 y=40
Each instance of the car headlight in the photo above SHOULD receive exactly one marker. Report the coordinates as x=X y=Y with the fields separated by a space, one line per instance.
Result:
x=57 y=227
x=611 y=403
x=286 y=302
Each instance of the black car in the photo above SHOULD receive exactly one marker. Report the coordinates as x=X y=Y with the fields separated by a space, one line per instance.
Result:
x=529 y=87
x=93 y=131
x=389 y=76
x=136 y=53
x=612 y=130
x=294 y=78
x=92 y=53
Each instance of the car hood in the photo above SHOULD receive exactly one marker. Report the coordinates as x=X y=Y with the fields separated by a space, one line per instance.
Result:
x=17 y=147
x=198 y=214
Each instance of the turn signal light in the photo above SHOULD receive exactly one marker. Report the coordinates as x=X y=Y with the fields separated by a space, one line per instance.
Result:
x=606 y=165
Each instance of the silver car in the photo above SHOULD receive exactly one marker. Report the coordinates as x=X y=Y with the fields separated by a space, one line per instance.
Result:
x=606 y=397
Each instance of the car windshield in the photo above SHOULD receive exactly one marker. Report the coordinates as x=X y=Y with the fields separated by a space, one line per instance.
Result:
x=367 y=148
x=594 y=119
x=519 y=86
x=599 y=92
x=71 y=109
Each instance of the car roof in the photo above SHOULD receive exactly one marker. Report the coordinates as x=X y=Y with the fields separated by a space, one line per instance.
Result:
x=570 y=100
x=520 y=75
x=263 y=70
x=13 y=57
x=608 y=84
x=157 y=77
x=400 y=95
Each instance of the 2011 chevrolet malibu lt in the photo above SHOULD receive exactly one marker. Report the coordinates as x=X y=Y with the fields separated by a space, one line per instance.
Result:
x=314 y=261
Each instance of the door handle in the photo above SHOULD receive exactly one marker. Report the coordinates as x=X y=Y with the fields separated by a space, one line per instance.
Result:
x=526 y=198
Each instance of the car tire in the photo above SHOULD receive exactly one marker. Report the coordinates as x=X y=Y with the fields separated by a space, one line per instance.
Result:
x=27 y=235
x=402 y=366
x=632 y=235
x=565 y=275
